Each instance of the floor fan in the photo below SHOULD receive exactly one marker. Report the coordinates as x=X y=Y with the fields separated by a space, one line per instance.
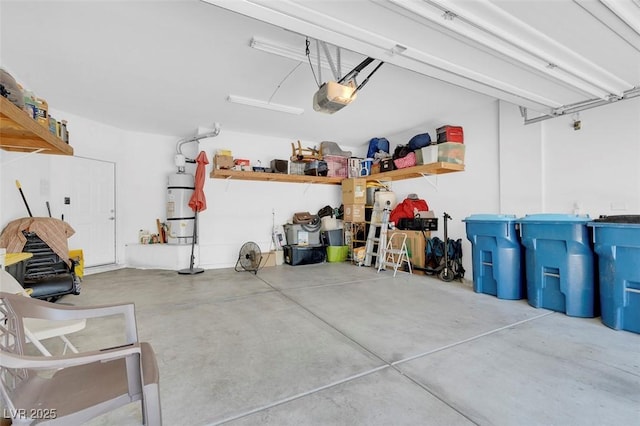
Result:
x=249 y=258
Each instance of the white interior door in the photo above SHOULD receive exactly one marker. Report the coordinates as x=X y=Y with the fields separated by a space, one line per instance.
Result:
x=89 y=207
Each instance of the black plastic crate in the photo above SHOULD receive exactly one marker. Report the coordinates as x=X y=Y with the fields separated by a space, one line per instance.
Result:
x=304 y=255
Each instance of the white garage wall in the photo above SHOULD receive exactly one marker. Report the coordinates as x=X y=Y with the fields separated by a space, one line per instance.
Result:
x=549 y=167
x=521 y=163
x=510 y=168
x=476 y=190
x=597 y=167
x=238 y=211
x=241 y=211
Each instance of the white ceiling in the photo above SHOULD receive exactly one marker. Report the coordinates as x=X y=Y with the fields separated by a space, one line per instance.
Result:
x=167 y=67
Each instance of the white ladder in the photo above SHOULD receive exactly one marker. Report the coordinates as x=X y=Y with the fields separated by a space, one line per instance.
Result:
x=380 y=241
x=395 y=253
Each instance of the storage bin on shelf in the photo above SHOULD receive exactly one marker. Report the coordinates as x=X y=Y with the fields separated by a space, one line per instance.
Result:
x=451 y=152
x=617 y=244
x=450 y=134
x=296 y=167
x=337 y=166
x=496 y=255
x=559 y=263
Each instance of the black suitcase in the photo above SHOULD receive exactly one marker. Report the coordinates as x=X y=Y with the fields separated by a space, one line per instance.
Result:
x=418 y=224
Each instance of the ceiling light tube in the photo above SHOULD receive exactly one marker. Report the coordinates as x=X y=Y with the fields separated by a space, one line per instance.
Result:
x=264 y=104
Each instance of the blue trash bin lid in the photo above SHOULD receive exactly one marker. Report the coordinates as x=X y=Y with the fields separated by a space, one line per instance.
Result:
x=490 y=218
x=554 y=218
x=618 y=221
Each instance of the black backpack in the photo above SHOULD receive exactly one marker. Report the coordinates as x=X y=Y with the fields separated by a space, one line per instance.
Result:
x=401 y=151
x=325 y=211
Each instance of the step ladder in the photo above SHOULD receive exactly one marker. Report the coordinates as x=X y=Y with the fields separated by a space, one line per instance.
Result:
x=395 y=253
x=375 y=245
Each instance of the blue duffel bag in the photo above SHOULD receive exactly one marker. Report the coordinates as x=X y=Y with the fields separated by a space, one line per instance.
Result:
x=419 y=141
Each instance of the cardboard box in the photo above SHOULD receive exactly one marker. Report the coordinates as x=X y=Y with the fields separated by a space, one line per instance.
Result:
x=354 y=213
x=427 y=155
x=268 y=259
x=416 y=245
x=223 y=161
x=354 y=191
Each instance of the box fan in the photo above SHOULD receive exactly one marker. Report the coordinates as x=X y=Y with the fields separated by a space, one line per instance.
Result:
x=249 y=258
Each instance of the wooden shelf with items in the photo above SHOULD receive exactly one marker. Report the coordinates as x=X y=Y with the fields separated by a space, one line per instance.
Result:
x=399 y=174
x=417 y=171
x=273 y=177
x=20 y=133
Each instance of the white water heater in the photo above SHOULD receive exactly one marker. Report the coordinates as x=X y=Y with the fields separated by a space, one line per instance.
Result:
x=180 y=217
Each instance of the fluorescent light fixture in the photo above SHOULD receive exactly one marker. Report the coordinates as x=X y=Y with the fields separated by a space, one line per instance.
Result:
x=264 y=104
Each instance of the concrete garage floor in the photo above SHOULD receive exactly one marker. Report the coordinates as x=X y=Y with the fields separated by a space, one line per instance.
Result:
x=335 y=344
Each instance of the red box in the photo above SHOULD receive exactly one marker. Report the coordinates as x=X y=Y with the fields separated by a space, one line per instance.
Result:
x=241 y=162
x=450 y=134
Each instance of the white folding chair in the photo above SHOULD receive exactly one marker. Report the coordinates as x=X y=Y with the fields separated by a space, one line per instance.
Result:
x=74 y=388
x=36 y=330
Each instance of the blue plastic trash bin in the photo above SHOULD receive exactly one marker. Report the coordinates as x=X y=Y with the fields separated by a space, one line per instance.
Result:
x=617 y=244
x=496 y=255
x=559 y=263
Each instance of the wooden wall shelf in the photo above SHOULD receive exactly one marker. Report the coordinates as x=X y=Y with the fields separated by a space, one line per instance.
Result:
x=20 y=133
x=273 y=177
x=418 y=171
x=400 y=174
